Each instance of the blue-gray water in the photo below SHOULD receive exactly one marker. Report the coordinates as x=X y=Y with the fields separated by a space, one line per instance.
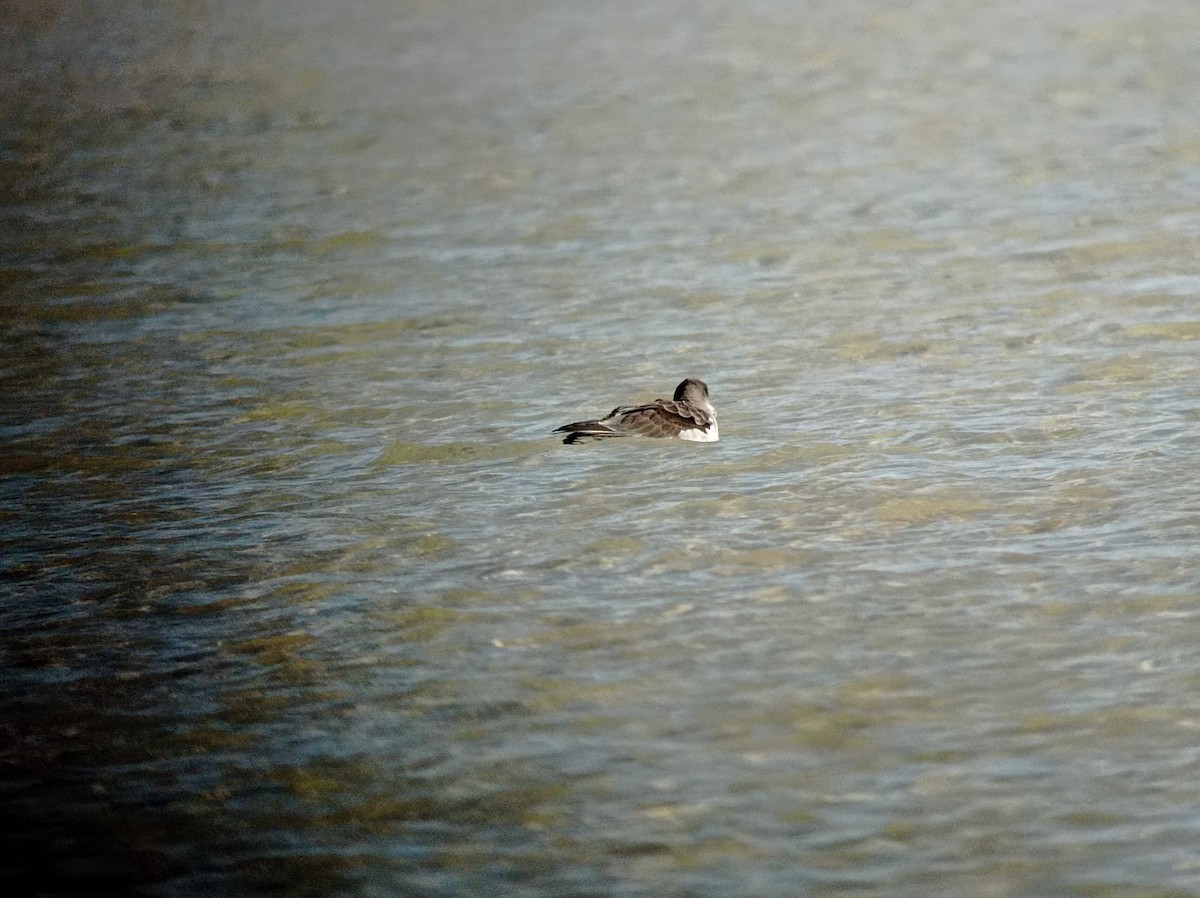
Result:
x=299 y=596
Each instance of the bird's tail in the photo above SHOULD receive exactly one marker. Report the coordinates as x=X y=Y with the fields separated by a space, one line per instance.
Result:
x=583 y=431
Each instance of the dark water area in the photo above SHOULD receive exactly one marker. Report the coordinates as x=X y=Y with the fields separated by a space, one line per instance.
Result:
x=299 y=595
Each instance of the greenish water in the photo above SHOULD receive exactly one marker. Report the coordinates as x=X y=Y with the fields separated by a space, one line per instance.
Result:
x=298 y=593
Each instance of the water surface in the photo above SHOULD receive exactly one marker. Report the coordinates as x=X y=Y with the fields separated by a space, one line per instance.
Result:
x=300 y=595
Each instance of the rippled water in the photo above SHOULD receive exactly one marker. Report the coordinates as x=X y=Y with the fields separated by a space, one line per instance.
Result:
x=300 y=596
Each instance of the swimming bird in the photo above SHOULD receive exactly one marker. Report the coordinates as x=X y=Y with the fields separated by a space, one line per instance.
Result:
x=687 y=416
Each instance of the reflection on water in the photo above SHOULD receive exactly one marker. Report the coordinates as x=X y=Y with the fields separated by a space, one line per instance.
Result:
x=299 y=594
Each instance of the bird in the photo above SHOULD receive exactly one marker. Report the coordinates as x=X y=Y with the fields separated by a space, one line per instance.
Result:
x=686 y=416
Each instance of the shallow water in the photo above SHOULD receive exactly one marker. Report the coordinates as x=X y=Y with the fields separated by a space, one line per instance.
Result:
x=300 y=595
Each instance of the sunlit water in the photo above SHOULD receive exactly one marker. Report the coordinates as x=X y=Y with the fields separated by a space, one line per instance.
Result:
x=301 y=597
